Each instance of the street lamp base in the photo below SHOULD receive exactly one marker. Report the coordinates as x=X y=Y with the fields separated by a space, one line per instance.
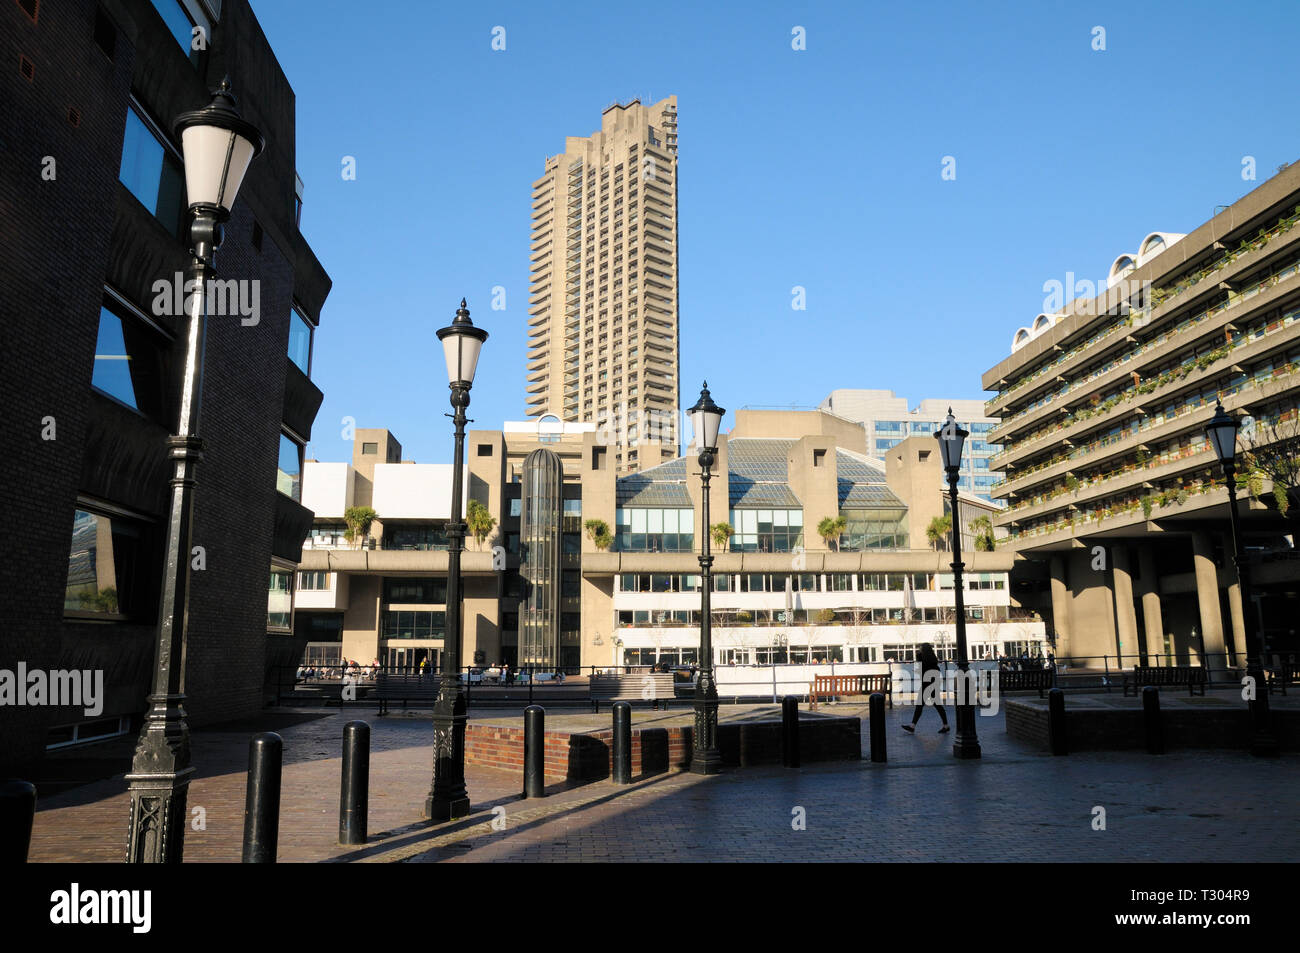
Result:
x=707 y=762
x=967 y=744
x=439 y=811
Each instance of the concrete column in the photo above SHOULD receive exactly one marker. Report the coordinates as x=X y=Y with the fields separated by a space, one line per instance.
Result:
x=1207 y=596
x=1152 y=619
x=1238 y=623
x=1060 y=607
x=1125 y=615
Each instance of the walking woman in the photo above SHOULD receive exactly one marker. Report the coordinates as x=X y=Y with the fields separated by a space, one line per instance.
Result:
x=930 y=675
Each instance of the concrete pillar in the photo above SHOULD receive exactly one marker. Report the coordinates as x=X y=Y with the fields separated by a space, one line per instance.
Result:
x=1125 y=616
x=1238 y=624
x=1060 y=607
x=1152 y=619
x=1207 y=597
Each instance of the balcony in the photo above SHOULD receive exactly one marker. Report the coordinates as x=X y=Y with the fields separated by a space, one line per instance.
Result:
x=1231 y=264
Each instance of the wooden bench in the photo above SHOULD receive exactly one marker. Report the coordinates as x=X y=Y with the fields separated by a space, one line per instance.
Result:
x=1165 y=676
x=840 y=686
x=655 y=688
x=1280 y=676
x=404 y=688
x=1026 y=680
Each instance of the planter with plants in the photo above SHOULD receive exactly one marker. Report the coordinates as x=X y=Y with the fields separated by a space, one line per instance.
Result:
x=599 y=534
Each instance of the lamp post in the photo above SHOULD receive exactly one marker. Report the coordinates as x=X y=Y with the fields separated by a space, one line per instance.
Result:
x=1222 y=432
x=706 y=418
x=951 y=439
x=218 y=146
x=448 y=799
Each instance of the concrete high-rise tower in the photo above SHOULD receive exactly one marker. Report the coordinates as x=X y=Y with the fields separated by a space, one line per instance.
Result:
x=602 y=307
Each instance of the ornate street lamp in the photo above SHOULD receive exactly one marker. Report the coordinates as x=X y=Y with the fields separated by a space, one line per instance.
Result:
x=706 y=418
x=218 y=146
x=951 y=439
x=448 y=799
x=1222 y=432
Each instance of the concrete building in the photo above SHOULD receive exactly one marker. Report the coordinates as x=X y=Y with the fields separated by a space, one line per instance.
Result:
x=540 y=591
x=602 y=307
x=92 y=191
x=1116 y=505
x=888 y=421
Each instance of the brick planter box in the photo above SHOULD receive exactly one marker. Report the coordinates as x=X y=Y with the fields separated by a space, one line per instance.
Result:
x=1121 y=729
x=586 y=756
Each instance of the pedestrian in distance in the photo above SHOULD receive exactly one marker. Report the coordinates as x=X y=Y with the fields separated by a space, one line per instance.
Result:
x=928 y=663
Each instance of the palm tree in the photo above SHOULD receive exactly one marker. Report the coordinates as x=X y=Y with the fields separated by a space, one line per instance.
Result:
x=830 y=529
x=982 y=527
x=479 y=521
x=938 y=530
x=720 y=533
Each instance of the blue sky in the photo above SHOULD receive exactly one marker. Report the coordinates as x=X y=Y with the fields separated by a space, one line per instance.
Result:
x=818 y=168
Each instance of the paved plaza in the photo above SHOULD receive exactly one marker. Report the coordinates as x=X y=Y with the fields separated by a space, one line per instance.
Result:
x=1016 y=804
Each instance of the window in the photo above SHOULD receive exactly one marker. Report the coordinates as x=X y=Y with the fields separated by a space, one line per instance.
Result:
x=181 y=17
x=766 y=531
x=113 y=373
x=415 y=537
x=412 y=624
x=279 y=600
x=289 y=476
x=873 y=528
x=570 y=584
x=485 y=449
x=300 y=342
x=415 y=591
x=369 y=449
x=515 y=505
x=313 y=581
x=654 y=530
x=573 y=507
x=105 y=562
x=152 y=172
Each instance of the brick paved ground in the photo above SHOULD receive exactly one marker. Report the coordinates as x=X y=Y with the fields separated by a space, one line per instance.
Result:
x=1015 y=804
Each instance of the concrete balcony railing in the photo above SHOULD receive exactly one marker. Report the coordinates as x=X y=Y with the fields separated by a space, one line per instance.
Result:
x=1205 y=323
x=1194 y=418
x=1282 y=236
x=609 y=564
x=1134 y=478
x=1241 y=352
x=376 y=561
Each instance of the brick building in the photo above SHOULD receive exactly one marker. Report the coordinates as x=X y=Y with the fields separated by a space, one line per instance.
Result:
x=91 y=217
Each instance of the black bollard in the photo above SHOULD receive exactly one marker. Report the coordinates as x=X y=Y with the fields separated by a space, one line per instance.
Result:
x=17 y=813
x=1151 y=720
x=790 y=731
x=622 y=743
x=262 y=804
x=534 y=752
x=354 y=797
x=876 y=713
x=1056 y=721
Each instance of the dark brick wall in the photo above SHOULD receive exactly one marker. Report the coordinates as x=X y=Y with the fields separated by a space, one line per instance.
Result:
x=63 y=240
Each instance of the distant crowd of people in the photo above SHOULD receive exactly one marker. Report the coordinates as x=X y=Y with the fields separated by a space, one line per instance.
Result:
x=343 y=669
x=1026 y=662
